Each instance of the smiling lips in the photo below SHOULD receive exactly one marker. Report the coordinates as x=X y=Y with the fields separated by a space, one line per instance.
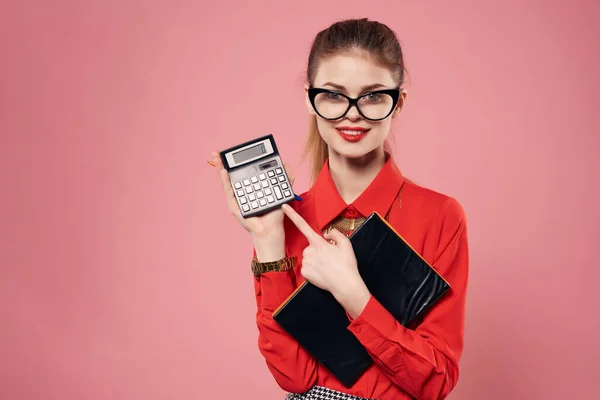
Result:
x=352 y=133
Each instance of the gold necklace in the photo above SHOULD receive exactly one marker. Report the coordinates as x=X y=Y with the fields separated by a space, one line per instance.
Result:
x=349 y=225
x=344 y=225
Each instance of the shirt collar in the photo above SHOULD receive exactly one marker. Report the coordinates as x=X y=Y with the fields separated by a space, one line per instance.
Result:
x=378 y=196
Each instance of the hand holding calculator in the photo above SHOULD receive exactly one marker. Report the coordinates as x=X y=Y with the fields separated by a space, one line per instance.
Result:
x=258 y=177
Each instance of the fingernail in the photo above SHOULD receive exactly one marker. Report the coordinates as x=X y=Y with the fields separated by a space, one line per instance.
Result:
x=211 y=163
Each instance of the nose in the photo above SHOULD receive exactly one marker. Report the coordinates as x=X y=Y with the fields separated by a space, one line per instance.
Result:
x=353 y=113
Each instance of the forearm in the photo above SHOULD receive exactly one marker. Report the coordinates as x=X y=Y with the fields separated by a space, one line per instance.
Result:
x=353 y=296
x=424 y=362
x=292 y=367
x=270 y=247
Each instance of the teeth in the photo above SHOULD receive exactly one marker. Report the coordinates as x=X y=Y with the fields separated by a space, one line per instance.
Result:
x=353 y=133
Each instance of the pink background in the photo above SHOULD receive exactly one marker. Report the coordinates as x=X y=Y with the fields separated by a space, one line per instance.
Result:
x=123 y=275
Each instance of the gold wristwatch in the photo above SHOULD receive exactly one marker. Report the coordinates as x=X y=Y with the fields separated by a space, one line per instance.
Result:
x=285 y=264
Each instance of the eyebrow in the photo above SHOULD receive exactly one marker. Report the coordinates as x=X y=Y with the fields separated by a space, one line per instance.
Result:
x=363 y=89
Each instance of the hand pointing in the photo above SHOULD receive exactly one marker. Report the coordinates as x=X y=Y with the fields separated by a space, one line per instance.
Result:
x=331 y=267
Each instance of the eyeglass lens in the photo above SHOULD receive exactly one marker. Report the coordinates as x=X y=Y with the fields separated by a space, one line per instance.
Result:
x=332 y=105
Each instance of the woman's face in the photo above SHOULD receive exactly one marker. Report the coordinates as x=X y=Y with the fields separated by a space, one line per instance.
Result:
x=352 y=135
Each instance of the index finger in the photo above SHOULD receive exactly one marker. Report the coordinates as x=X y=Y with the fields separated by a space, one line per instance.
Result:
x=303 y=226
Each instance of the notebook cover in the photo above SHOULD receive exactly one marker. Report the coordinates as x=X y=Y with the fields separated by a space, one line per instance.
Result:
x=395 y=274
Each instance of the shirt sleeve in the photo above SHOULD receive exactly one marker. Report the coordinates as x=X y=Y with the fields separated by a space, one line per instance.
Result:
x=424 y=362
x=294 y=369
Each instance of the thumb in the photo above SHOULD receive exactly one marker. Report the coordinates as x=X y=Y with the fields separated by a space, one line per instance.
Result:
x=338 y=237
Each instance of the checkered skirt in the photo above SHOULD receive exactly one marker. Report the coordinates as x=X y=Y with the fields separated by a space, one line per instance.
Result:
x=322 y=393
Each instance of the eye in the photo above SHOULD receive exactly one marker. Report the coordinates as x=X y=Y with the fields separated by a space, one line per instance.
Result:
x=373 y=97
x=333 y=96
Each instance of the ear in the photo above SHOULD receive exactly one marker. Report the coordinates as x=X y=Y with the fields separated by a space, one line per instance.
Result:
x=307 y=101
x=401 y=103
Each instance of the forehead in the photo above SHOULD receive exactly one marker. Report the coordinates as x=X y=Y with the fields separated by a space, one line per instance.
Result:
x=353 y=71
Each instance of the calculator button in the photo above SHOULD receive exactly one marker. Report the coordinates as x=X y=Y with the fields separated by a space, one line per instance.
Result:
x=271 y=174
x=243 y=200
x=287 y=193
x=238 y=185
x=251 y=197
x=254 y=204
x=270 y=199
x=273 y=181
x=254 y=179
x=268 y=192
x=240 y=193
x=278 y=193
x=260 y=195
x=265 y=184
x=262 y=202
x=284 y=185
x=246 y=182
x=279 y=171
x=257 y=186
x=262 y=177
x=249 y=189
x=246 y=208
x=281 y=178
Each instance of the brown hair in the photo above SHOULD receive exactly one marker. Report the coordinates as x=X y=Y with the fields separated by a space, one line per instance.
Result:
x=370 y=38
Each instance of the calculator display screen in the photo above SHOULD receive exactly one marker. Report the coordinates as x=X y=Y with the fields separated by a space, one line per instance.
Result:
x=249 y=153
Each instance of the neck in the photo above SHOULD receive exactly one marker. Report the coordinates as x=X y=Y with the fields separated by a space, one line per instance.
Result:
x=353 y=175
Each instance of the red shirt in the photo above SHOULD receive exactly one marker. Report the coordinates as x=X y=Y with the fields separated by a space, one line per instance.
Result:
x=420 y=363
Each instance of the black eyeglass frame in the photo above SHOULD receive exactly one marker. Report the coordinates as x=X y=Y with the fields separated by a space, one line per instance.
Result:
x=393 y=93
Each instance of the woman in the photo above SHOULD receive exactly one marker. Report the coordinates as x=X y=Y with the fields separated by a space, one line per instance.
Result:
x=355 y=76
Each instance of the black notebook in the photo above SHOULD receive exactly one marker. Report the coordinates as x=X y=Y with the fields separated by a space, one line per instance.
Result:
x=395 y=274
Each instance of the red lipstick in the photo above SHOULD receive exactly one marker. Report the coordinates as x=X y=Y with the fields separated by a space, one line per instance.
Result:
x=352 y=133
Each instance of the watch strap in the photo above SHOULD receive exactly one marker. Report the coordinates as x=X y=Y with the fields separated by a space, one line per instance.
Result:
x=284 y=264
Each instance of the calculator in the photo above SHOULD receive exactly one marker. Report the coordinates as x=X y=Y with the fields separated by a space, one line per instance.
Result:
x=258 y=178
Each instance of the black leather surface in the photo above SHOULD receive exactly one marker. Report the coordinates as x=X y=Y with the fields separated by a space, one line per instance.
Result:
x=396 y=276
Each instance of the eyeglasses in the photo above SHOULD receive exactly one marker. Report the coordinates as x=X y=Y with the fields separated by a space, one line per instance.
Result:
x=374 y=106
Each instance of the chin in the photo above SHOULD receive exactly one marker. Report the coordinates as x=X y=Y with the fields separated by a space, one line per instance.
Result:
x=354 y=150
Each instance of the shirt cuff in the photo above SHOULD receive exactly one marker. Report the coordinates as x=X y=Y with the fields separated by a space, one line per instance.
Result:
x=274 y=288
x=374 y=325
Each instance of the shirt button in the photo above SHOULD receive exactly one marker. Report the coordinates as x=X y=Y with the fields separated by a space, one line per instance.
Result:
x=358 y=329
x=351 y=212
